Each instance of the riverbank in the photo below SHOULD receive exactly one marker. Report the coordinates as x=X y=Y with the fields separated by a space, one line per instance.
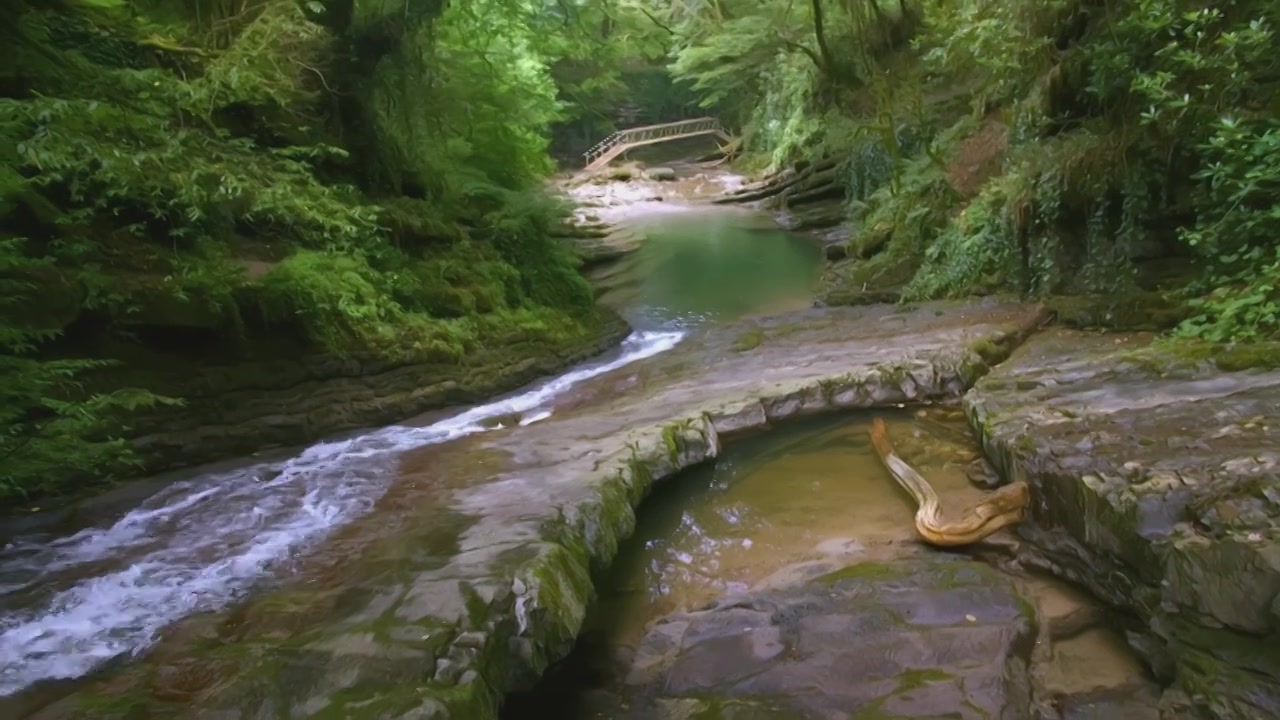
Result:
x=475 y=569
x=105 y=588
x=474 y=564
x=218 y=531
x=234 y=409
x=235 y=220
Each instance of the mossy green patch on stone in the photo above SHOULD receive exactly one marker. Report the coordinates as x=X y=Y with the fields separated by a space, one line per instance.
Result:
x=561 y=586
x=990 y=352
x=673 y=442
x=749 y=340
x=1228 y=358
x=1164 y=356
x=607 y=520
x=751 y=708
x=829 y=389
x=1152 y=311
x=641 y=475
x=874 y=711
x=865 y=571
x=912 y=679
x=893 y=375
x=384 y=702
x=1248 y=357
x=428 y=700
x=127 y=706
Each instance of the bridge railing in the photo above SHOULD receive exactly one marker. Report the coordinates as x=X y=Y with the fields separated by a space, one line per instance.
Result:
x=652 y=132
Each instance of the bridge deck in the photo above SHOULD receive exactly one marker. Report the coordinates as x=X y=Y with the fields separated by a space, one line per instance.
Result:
x=623 y=140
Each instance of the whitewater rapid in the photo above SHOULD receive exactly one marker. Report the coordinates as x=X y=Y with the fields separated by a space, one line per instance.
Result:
x=201 y=543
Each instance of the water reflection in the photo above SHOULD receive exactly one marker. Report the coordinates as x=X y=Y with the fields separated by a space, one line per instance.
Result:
x=710 y=264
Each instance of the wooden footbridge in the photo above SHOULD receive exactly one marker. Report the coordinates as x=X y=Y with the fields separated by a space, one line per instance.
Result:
x=624 y=140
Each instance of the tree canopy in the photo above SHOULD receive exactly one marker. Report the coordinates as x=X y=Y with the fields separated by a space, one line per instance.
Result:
x=366 y=176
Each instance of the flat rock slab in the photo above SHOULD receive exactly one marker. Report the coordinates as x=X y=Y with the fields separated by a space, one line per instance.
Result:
x=1157 y=485
x=472 y=574
x=930 y=637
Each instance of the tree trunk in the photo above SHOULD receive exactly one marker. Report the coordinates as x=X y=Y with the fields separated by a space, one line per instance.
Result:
x=820 y=34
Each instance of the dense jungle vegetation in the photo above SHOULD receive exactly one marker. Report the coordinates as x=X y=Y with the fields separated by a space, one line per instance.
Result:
x=1056 y=147
x=217 y=179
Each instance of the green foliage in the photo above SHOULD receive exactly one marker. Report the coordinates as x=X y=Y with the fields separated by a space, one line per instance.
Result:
x=608 y=56
x=276 y=66
x=475 y=81
x=782 y=70
x=1243 y=306
x=340 y=299
x=975 y=253
x=272 y=168
x=1238 y=231
x=137 y=161
x=520 y=228
x=1134 y=130
x=998 y=49
x=786 y=124
x=50 y=427
x=898 y=223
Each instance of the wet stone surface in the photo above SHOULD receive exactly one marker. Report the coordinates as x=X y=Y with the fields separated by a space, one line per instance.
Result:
x=472 y=574
x=922 y=637
x=1157 y=482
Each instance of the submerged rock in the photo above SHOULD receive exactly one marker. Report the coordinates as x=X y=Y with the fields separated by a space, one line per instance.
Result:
x=1156 y=484
x=931 y=636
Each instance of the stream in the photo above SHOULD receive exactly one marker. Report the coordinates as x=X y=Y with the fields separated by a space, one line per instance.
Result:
x=709 y=264
x=75 y=598
x=75 y=601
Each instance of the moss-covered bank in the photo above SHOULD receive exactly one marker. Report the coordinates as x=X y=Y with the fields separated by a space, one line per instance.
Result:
x=1074 y=148
x=225 y=204
x=234 y=409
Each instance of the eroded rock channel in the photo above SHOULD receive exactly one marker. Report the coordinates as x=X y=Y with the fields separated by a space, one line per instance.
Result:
x=1153 y=481
x=781 y=581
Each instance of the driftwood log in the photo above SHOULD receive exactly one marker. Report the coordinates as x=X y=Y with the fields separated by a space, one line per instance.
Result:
x=1000 y=509
x=818 y=181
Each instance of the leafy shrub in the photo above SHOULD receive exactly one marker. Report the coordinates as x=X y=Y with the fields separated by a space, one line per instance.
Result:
x=1238 y=231
x=51 y=429
x=161 y=152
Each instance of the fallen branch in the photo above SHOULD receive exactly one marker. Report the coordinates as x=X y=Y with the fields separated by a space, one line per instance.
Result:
x=830 y=191
x=780 y=182
x=767 y=188
x=1000 y=509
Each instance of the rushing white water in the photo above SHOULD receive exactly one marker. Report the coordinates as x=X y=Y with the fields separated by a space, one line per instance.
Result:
x=201 y=543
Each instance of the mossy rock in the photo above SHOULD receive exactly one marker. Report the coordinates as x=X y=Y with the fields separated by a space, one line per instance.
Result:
x=880 y=279
x=1171 y=354
x=1149 y=464
x=1151 y=311
x=749 y=340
